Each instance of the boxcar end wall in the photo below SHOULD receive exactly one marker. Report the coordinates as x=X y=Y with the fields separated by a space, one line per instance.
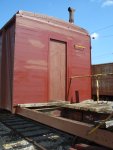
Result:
x=39 y=54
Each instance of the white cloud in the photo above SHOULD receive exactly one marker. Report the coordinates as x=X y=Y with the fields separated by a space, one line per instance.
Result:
x=107 y=3
x=95 y=36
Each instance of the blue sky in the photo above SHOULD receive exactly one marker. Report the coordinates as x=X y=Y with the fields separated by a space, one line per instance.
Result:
x=93 y=15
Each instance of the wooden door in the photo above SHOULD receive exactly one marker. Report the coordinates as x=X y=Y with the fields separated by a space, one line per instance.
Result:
x=57 y=70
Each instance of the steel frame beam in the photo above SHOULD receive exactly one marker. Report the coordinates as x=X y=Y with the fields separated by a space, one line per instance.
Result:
x=102 y=137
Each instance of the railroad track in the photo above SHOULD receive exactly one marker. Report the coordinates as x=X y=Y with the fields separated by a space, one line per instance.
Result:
x=21 y=133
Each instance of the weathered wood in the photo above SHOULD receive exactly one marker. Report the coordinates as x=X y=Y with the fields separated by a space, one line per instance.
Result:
x=58 y=103
x=77 y=128
x=48 y=108
x=93 y=106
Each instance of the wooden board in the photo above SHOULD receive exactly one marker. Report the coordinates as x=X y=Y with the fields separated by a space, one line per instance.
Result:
x=90 y=105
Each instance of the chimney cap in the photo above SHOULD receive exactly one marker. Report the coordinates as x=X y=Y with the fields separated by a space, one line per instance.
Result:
x=70 y=9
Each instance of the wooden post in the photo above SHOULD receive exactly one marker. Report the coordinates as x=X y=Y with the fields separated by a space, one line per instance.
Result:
x=77 y=96
x=97 y=85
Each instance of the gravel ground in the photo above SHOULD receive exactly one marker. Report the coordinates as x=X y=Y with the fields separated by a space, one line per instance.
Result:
x=10 y=141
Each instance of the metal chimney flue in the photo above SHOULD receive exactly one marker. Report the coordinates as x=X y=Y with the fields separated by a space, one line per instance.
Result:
x=71 y=14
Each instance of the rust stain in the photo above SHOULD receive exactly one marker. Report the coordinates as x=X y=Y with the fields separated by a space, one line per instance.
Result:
x=36 y=43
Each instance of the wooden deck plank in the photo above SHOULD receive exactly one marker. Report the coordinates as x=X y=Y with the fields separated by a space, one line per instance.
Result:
x=91 y=105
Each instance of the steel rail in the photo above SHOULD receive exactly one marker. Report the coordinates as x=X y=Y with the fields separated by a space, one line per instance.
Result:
x=26 y=138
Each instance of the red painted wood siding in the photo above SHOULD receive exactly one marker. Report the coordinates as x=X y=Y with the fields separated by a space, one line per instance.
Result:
x=79 y=64
x=31 y=61
x=30 y=66
x=57 y=70
x=27 y=47
x=8 y=39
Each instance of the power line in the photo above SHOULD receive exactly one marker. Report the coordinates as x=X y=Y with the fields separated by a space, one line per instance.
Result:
x=106 y=36
x=104 y=28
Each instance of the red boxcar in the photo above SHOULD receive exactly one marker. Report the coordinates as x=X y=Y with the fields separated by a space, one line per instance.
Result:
x=38 y=55
x=105 y=82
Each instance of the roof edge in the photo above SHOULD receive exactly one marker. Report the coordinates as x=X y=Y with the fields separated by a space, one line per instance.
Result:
x=45 y=18
x=51 y=19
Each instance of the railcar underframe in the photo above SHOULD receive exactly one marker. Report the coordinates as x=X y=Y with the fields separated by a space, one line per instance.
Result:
x=77 y=119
